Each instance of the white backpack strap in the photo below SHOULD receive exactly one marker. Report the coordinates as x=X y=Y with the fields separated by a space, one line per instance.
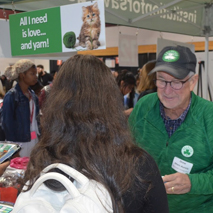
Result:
x=80 y=178
x=73 y=191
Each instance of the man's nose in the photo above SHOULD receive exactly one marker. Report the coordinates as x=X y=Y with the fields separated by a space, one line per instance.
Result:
x=168 y=89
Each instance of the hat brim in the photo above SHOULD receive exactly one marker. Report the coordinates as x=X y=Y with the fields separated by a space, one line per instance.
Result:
x=175 y=71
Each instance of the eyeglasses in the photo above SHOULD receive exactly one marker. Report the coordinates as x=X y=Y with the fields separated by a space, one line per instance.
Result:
x=174 y=84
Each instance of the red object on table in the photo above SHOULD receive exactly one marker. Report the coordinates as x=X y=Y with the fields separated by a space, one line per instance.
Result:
x=19 y=163
x=8 y=194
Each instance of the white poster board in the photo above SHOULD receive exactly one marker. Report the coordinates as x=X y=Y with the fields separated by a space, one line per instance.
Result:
x=110 y=62
x=128 y=50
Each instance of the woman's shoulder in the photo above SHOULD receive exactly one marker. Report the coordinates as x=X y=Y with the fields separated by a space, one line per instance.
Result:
x=11 y=95
x=147 y=92
x=147 y=165
x=147 y=194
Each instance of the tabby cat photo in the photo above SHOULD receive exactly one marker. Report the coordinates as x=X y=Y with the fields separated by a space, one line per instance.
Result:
x=91 y=27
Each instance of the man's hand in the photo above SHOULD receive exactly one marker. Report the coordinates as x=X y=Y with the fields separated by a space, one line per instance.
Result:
x=177 y=183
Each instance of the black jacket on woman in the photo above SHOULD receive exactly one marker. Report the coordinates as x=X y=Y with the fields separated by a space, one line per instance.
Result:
x=152 y=198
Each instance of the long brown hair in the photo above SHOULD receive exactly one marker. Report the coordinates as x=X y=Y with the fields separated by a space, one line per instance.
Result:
x=146 y=81
x=83 y=125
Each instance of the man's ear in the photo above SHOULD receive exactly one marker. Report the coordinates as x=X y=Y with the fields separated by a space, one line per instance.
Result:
x=193 y=82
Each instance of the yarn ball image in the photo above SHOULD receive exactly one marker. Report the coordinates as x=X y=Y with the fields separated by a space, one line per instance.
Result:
x=69 y=39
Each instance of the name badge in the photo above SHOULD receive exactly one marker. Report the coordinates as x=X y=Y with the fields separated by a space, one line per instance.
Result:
x=181 y=166
x=33 y=135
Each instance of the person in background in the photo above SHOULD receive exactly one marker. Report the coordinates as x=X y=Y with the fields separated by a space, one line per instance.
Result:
x=135 y=98
x=126 y=83
x=115 y=74
x=4 y=82
x=46 y=90
x=43 y=77
x=146 y=83
x=131 y=98
x=9 y=83
x=2 y=92
x=20 y=108
x=85 y=128
x=175 y=126
x=37 y=88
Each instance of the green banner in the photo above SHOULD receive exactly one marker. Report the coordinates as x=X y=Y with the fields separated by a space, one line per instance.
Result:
x=36 y=32
x=68 y=28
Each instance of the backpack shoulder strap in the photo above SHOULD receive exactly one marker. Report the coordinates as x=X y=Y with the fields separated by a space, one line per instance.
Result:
x=70 y=187
x=80 y=178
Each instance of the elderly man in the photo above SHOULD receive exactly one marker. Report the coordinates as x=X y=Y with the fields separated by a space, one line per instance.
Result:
x=176 y=127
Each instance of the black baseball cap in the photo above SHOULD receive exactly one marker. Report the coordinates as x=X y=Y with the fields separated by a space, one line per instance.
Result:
x=177 y=61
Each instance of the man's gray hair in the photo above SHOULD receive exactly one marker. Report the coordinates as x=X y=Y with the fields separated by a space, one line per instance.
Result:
x=191 y=74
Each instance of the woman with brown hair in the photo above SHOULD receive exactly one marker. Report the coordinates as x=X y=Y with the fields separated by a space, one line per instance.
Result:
x=146 y=84
x=84 y=126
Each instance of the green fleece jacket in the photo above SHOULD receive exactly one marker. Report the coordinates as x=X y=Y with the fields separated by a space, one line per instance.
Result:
x=195 y=133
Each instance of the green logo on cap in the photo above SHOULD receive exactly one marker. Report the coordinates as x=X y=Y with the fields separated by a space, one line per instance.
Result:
x=171 y=56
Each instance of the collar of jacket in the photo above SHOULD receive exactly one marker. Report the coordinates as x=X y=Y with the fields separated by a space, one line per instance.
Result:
x=18 y=88
x=154 y=117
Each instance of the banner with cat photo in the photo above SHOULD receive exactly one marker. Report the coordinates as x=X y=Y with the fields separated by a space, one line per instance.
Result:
x=69 y=28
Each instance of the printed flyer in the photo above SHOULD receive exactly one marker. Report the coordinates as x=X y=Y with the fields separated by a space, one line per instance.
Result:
x=69 y=28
